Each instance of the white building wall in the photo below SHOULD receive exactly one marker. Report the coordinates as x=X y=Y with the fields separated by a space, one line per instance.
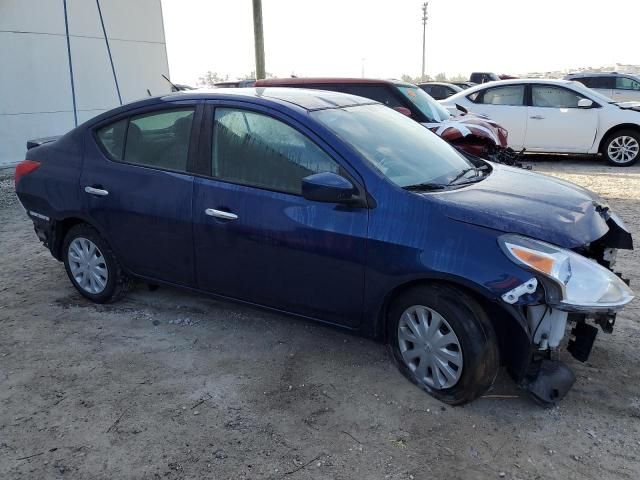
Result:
x=35 y=82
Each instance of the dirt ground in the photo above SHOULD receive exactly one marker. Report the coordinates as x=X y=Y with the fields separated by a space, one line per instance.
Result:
x=172 y=385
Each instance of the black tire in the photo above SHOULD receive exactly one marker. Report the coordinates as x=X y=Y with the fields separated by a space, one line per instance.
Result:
x=469 y=322
x=617 y=135
x=118 y=283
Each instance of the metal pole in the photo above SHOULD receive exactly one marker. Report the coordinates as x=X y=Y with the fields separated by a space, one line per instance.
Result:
x=259 y=38
x=424 y=36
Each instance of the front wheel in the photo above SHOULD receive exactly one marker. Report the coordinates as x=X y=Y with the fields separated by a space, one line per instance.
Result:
x=621 y=148
x=442 y=341
x=92 y=267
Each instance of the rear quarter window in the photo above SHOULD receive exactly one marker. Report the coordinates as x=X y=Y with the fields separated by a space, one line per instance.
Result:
x=111 y=138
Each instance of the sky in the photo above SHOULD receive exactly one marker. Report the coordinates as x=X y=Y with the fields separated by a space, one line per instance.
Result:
x=384 y=37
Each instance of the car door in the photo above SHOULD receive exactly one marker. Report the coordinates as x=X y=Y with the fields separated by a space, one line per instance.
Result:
x=555 y=122
x=627 y=89
x=256 y=238
x=138 y=193
x=506 y=106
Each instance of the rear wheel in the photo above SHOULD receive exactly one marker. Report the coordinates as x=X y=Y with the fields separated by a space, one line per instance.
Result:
x=622 y=148
x=92 y=267
x=443 y=342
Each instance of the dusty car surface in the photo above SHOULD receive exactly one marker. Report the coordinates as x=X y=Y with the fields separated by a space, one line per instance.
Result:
x=335 y=208
x=470 y=133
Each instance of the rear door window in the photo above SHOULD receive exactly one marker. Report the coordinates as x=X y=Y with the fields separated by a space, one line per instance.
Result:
x=508 y=95
x=602 y=82
x=160 y=139
x=111 y=138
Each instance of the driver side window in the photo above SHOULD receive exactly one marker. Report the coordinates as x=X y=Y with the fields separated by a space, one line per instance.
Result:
x=257 y=150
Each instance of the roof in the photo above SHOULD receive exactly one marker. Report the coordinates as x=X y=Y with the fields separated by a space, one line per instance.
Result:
x=283 y=82
x=598 y=74
x=306 y=99
x=442 y=84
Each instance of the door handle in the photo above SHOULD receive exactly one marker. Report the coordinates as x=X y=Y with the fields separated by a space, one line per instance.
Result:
x=537 y=117
x=96 y=191
x=221 y=214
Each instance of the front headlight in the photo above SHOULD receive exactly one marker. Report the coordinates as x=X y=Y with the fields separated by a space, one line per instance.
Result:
x=580 y=283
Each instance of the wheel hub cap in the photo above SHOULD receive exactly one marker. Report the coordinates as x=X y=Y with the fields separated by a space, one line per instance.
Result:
x=87 y=265
x=623 y=149
x=430 y=347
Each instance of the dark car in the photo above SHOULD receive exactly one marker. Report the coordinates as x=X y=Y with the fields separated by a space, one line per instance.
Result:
x=464 y=85
x=334 y=208
x=473 y=134
x=440 y=90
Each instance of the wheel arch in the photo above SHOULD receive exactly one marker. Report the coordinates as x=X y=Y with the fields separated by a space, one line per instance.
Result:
x=59 y=230
x=622 y=126
x=509 y=323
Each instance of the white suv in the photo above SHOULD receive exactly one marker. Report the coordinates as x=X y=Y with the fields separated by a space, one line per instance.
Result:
x=620 y=87
x=556 y=116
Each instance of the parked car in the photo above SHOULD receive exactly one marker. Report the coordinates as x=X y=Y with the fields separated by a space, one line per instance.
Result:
x=484 y=77
x=620 y=87
x=472 y=134
x=557 y=116
x=248 y=82
x=440 y=90
x=464 y=85
x=335 y=208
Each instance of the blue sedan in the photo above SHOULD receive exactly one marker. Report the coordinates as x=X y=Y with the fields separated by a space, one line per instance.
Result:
x=338 y=209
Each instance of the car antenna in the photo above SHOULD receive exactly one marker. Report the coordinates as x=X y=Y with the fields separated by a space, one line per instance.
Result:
x=149 y=92
x=177 y=89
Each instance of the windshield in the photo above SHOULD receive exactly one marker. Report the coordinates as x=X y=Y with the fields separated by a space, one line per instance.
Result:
x=406 y=152
x=426 y=104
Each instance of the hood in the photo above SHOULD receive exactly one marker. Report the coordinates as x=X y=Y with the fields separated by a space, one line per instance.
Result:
x=514 y=200
x=456 y=128
x=629 y=106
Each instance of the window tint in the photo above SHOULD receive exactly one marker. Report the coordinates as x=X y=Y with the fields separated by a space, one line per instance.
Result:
x=256 y=150
x=626 y=83
x=555 y=97
x=601 y=81
x=508 y=95
x=111 y=138
x=160 y=139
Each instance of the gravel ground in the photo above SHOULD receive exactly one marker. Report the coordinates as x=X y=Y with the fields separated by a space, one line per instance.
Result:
x=171 y=385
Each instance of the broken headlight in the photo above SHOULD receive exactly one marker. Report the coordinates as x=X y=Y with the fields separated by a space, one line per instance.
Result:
x=574 y=282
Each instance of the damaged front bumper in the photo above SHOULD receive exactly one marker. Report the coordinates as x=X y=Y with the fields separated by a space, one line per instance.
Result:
x=547 y=378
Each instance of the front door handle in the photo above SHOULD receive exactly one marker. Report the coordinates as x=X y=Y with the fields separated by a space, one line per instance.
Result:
x=221 y=214
x=537 y=117
x=96 y=191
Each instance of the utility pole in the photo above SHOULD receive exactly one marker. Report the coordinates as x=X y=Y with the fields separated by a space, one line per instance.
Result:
x=259 y=39
x=425 y=17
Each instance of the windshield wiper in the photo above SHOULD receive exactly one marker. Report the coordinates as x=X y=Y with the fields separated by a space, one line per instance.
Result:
x=465 y=171
x=425 y=187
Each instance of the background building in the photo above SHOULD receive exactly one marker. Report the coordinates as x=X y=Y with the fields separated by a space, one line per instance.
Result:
x=65 y=61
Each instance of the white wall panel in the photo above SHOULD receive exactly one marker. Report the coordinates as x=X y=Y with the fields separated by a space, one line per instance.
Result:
x=93 y=77
x=15 y=130
x=140 y=67
x=44 y=16
x=142 y=20
x=34 y=76
x=83 y=17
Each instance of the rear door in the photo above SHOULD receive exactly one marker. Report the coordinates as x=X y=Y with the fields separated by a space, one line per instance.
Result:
x=138 y=193
x=556 y=124
x=506 y=106
x=256 y=238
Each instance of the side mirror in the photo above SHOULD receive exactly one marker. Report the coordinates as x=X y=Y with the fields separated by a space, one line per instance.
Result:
x=327 y=187
x=585 y=103
x=403 y=110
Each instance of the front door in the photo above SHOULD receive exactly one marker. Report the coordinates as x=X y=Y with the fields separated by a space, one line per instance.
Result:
x=555 y=122
x=257 y=239
x=137 y=191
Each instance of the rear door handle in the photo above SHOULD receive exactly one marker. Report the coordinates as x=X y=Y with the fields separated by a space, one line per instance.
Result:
x=221 y=214
x=537 y=117
x=96 y=191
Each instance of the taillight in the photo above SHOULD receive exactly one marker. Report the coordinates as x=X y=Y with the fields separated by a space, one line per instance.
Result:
x=25 y=167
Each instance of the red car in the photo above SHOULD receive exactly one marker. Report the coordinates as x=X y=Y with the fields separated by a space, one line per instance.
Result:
x=472 y=134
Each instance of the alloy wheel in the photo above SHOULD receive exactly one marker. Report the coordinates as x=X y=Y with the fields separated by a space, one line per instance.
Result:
x=623 y=149
x=87 y=265
x=430 y=347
